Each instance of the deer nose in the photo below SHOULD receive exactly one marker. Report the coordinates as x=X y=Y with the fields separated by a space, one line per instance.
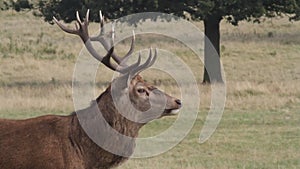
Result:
x=178 y=102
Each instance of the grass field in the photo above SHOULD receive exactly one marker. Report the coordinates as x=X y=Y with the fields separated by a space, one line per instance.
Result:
x=260 y=127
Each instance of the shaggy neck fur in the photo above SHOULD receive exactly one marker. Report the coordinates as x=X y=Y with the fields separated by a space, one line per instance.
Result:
x=93 y=154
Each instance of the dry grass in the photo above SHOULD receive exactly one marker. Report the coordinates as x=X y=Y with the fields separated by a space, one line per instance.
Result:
x=260 y=126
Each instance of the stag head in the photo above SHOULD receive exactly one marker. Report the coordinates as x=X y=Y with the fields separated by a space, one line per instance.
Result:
x=141 y=100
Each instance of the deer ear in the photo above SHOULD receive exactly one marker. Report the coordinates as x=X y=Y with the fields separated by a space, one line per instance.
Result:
x=124 y=80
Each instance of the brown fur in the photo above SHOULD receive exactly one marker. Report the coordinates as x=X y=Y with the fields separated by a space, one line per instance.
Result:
x=59 y=142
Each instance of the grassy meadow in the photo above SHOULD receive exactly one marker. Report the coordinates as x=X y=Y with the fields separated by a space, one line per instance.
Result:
x=260 y=127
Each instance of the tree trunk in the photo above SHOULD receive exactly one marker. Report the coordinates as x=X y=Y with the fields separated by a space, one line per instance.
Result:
x=212 y=66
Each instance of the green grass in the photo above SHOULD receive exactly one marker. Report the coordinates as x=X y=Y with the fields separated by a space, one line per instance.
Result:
x=28 y=113
x=260 y=127
x=262 y=139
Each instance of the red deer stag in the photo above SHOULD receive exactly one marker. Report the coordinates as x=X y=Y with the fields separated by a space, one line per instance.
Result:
x=60 y=142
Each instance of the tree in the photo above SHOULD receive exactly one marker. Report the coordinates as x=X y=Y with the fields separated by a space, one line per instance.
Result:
x=211 y=12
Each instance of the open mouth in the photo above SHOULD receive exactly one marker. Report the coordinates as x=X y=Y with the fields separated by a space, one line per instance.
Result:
x=170 y=112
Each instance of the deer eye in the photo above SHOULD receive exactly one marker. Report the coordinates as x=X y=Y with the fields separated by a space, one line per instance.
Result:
x=141 y=90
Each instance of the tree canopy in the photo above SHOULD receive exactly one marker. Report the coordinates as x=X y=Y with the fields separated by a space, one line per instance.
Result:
x=231 y=10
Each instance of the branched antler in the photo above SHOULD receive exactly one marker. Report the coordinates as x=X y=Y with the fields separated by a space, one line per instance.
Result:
x=81 y=29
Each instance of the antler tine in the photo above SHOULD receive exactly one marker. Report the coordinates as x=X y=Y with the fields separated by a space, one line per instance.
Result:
x=149 y=62
x=112 y=34
x=99 y=37
x=86 y=21
x=154 y=58
x=128 y=69
x=101 y=22
x=122 y=61
x=125 y=58
x=78 y=17
x=64 y=28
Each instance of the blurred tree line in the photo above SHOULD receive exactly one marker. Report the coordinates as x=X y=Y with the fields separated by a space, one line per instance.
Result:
x=211 y=12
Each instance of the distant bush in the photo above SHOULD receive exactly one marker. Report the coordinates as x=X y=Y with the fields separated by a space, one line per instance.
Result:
x=17 y=5
x=21 y=5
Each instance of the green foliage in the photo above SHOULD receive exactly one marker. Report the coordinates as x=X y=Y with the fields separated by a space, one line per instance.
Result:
x=17 y=5
x=231 y=10
x=62 y=9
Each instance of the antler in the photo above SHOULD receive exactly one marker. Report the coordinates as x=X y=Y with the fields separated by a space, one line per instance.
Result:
x=100 y=38
x=81 y=29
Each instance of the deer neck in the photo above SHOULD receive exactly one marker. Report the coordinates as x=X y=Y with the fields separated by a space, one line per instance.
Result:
x=115 y=118
x=93 y=154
